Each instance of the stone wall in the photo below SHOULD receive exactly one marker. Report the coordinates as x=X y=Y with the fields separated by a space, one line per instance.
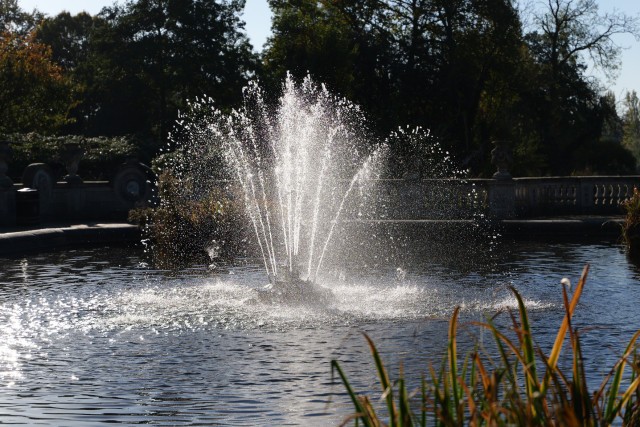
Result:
x=40 y=198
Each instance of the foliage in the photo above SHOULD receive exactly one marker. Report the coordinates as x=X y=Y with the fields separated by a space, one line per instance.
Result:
x=631 y=124
x=332 y=44
x=571 y=29
x=631 y=227
x=416 y=154
x=34 y=93
x=101 y=157
x=68 y=37
x=602 y=157
x=152 y=55
x=184 y=229
x=571 y=115
x=467 y=70
x=526 y=387
x=463 y=69
x=14 y=18
x=419 y=63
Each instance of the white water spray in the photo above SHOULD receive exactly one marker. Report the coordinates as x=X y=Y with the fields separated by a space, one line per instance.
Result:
x=296 y=166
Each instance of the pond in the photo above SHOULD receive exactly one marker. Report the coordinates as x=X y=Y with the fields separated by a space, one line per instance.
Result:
x=96 y=335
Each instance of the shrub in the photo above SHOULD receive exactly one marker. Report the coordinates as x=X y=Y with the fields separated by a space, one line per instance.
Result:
x=512 y=393
x=631 y=227
x=184 y=229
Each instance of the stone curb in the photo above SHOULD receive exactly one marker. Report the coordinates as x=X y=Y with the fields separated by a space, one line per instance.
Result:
x=53 y=237
x=609 y=226
x=43 y=239
x=544 y=226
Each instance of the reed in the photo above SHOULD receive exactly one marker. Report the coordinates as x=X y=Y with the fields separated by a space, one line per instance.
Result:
x=524 y=387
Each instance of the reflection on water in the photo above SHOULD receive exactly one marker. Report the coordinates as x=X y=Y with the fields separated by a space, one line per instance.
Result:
x=97 y=335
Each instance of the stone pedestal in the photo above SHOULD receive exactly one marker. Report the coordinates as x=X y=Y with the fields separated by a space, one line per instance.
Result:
x=502 y=199
x=502 y=190
x=76 y=201
x=6 y=155
x=7 y=208
x=7 y=193
x=502 y=159
x=40 y=177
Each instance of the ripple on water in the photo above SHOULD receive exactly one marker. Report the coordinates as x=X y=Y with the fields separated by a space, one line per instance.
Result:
x=100 y=337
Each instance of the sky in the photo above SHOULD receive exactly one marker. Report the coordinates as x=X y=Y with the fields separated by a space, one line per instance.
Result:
x=258 y=25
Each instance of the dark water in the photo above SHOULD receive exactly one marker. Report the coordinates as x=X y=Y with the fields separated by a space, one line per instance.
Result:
x=93 y=336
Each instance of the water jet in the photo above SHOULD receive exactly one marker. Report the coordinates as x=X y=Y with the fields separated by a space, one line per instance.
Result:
x=300 y=167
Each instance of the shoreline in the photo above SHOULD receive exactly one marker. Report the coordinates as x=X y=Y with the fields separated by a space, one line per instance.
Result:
x=20 y=240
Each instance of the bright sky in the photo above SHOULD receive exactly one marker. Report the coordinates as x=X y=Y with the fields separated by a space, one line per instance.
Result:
x=258 y=25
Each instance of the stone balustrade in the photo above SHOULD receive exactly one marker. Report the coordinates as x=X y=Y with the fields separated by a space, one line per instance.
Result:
x=501 y=197
x=592 y=195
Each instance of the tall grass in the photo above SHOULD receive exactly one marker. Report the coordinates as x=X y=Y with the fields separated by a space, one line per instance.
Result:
x=524 y=387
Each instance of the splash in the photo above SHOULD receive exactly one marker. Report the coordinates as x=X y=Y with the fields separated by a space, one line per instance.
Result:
x=299 y=167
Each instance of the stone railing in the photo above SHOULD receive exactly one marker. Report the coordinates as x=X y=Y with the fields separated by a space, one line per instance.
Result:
x=435 y=199
x=593 y=195
x=501 y=197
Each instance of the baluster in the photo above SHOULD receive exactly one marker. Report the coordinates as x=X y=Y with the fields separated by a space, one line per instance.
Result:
x=610 y=195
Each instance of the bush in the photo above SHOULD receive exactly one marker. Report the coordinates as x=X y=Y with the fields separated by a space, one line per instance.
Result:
x=185 y=229
x=631 y=227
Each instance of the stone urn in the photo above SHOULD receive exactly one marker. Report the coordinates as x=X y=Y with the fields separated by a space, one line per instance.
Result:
x=502 y=159
x=70 y=156
x=6 y=155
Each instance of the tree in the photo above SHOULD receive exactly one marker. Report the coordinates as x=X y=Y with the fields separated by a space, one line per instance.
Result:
x=34 y=93
x=69 y=37
x=14 y=18
x=147 y=58
x=419 y=62
x=631 y=124
x=571 y=29
x=571 y=113
x=70 y=40
x=340 y=43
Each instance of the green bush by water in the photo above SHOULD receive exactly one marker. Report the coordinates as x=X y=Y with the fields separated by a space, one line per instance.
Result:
x=184 y=229
x=631 y=227
x=525 y=387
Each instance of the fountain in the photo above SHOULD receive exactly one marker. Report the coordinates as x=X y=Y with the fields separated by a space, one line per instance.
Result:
x=97 y=335
x=297 y=167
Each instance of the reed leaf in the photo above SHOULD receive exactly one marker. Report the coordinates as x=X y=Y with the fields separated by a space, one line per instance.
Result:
x=529 y=356
x=626 y=396
x=482 y=393
x=423 y=408
x=356 y=402
x=405 y=419
x=384 y=380
x=609 y=414
x=453 y=360
x=557 y=346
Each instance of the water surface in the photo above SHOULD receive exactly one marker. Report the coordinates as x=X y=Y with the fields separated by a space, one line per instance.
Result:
x=96 y=335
